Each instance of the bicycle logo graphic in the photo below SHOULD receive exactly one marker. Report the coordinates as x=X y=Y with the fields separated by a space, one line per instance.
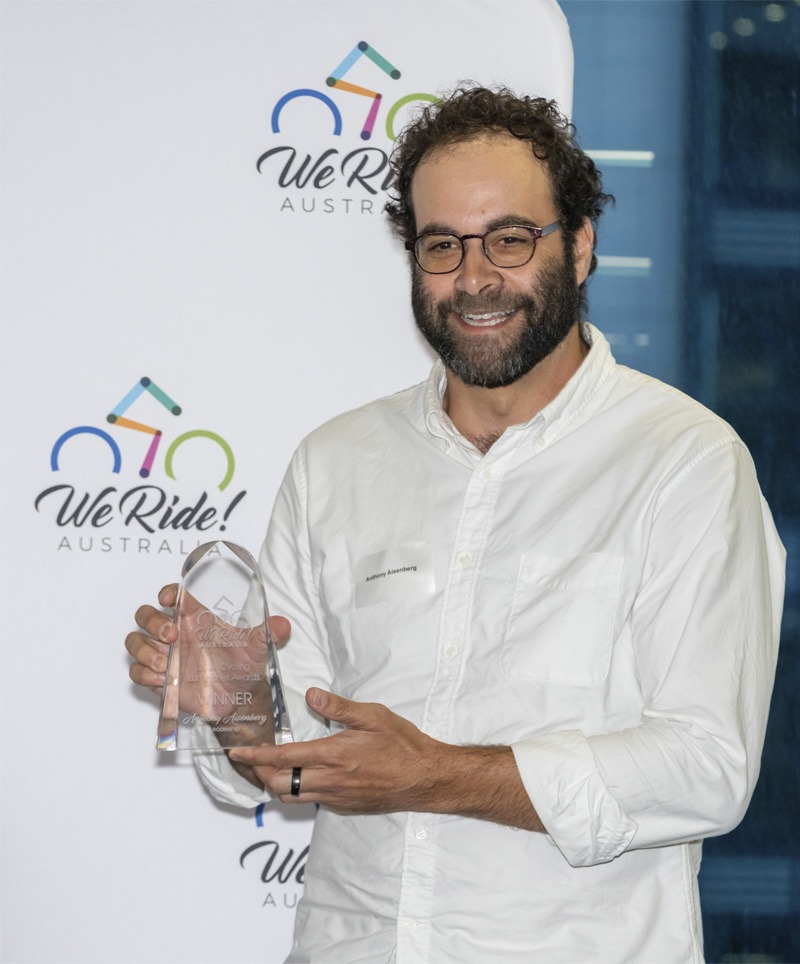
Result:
x=336 y=81
x=116 y=417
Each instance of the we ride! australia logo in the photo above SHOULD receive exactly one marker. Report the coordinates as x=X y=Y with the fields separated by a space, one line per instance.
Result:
x=280 y=868
x=167 y=513
x=352 y=173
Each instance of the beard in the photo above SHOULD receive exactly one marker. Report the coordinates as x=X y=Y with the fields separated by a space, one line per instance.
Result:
x=549 y=311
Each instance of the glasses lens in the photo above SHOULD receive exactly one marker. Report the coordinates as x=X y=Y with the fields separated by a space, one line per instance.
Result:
x=438 y=253
x=510 y=247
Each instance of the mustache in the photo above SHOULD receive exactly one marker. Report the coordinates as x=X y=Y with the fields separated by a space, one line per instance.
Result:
x=462 y=303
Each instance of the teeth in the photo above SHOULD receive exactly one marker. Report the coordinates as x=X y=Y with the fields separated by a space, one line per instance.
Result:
x=488 y=319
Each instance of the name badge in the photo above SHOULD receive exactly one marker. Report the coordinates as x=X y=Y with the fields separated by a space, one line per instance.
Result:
x=397 y=573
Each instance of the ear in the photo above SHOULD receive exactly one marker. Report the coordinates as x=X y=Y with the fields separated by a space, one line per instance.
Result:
x=583 y=246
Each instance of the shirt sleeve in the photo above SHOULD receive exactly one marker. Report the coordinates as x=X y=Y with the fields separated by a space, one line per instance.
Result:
x=705 y=627
x=218 y=776
x=286 y=565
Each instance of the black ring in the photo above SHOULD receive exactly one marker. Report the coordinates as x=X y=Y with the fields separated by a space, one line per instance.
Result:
x=295 y=791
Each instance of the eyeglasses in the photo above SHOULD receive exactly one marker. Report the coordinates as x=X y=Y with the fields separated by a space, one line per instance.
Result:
x=508 y=247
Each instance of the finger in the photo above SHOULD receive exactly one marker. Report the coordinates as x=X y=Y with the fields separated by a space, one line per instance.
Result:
x=266 y=754
x=150 y=666
x=143 y=676
x=147 y=651
x=280 y=784
x=149 y=654
x=295 y=787
x=286 y=757
x=156 y=624
x=280 y=629
x=168 y=595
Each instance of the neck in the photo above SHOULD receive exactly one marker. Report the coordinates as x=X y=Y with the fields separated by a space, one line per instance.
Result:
x=483 y=414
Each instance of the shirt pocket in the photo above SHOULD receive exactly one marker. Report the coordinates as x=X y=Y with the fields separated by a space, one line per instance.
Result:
x=561 y=626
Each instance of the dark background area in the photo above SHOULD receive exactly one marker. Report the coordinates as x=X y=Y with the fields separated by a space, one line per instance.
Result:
x=700 y=286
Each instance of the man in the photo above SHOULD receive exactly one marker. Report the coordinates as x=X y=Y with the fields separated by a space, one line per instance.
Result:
x=536 y=600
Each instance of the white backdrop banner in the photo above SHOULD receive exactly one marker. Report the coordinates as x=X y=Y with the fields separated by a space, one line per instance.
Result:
x=196 y=273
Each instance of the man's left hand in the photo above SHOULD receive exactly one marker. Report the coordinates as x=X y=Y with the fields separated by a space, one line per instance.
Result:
x=382 y=763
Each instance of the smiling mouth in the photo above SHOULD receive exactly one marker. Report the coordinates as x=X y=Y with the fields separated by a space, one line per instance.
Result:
x=487 y=320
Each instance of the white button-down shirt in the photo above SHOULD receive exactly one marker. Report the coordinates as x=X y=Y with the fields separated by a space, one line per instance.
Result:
x=602 y=591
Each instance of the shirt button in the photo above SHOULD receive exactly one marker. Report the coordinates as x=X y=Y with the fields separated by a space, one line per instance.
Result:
x=540 y=443
x=421 y=834
x=451 y=651
x=486 y=474
x=465 y=558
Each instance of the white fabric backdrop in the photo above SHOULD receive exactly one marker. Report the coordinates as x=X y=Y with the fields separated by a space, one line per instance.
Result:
x=141 y=240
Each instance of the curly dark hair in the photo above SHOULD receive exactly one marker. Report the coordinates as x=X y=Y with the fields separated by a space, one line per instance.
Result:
x=470 y=112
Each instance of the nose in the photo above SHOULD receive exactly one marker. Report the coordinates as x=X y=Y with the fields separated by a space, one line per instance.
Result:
x=476 y=273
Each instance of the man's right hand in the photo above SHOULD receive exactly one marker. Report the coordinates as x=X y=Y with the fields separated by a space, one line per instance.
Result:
x=150 y=647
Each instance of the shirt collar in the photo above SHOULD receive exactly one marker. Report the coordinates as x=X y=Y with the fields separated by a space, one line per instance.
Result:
x=582 y=387
x=556 y=417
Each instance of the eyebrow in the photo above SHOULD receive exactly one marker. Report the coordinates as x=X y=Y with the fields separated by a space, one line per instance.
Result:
x=439 y=227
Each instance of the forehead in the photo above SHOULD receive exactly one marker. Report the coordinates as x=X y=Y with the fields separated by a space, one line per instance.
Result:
x=467 y=185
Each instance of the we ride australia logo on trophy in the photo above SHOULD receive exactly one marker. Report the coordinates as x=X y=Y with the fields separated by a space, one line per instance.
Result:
x=136 y=480
x=331 y=141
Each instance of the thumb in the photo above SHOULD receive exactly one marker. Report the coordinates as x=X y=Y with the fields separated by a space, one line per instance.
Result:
x=280 y=629
x=337 y=708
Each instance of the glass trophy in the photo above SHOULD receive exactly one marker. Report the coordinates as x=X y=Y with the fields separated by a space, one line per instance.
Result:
x=223 y=669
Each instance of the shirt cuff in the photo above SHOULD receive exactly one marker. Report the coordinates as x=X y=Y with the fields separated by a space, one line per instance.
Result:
x=218 y=776
x=581 y=817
